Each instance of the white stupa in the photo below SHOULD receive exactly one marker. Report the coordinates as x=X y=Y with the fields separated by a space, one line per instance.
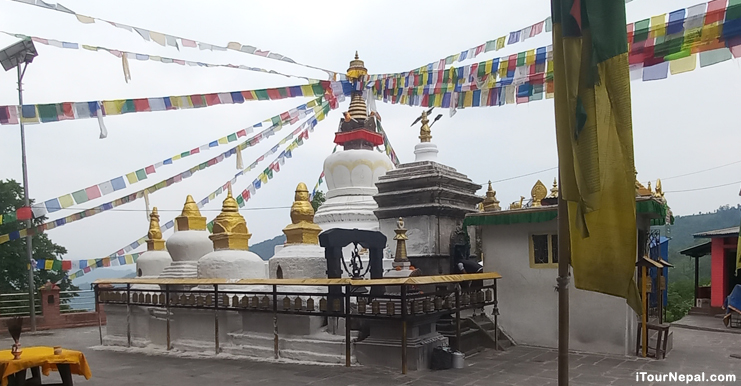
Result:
x=152 y=262
x=301 y=257
x=231 y=258
x=351 y=173
x=189 y=243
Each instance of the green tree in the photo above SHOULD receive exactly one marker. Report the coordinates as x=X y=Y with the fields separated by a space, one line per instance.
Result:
x=13 y=255
x=318 y=200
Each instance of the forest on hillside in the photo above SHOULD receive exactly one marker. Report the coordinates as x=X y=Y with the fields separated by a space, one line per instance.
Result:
x=682 y=276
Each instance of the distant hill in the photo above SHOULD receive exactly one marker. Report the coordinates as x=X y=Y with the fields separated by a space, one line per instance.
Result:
x=265 y=249
x=121 y=272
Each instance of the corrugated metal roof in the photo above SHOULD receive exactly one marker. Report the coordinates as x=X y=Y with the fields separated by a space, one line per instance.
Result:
x=699 y=250
x=725 y=232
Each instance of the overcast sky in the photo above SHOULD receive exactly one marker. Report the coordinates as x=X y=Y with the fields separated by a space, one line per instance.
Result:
x=682 y=124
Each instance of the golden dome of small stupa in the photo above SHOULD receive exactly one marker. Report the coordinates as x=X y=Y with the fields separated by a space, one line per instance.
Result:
x=154 y=236
x=302 y=229
x=230 y=228
x=356 y=69
x=190 y=218
x=490 y=203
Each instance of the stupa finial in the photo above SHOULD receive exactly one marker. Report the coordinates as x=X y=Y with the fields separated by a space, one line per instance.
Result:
x=490 y=203
x=554 y=189
x=154 y=236
x=190 y=218
x=230 y=228
x=401 y=242
x=302 y=229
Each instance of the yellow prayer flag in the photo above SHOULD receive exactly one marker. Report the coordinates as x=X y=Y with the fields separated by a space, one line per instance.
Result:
x=320 y=115
x=263 y=178
x=502 y=69
x=234 y=46
x=4 y=239
x=509 y=94
x=85 y=19
x=1 y=219
x=113 y=107
x=530 y=57
x=91 y=263
x=307 y=90
x=129 y=259
x=468 y=99
x=500 y=42
x=157 y=38
x=23 y=232
x=438 y=99
x=711 y=32
x=658 y=26
x=176 y=157
x=311 y=103
x=89 y=48
x=48 y=264
x=488 y=65
x=211 y=196
x=223 y=140
x=132 y=178
x=683 y=65
x=66 y=201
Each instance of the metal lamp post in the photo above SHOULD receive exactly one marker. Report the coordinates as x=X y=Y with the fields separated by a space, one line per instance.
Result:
x=12 y=56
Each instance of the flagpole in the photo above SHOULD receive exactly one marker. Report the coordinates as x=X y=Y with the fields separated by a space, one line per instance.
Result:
x=564 y=259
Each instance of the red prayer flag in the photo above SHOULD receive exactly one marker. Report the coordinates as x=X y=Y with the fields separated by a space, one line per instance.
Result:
x=195 y=151
x=188 y=43
x=66 y=265
x=197 y=100
x=248 y=96
x=273 y=93
x=241 y=133
x=149 y=169
x=479 y=49
x=141 y=105
x=23 y=213
x=106 y=262
x=92 y=192
x=285 y=116
x=246 y=194
x=67 y=111
x=261 y=52
x=212 y=99
x=716 y=11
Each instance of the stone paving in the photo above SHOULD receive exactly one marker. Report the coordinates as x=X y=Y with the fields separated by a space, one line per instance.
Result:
x=694 y=352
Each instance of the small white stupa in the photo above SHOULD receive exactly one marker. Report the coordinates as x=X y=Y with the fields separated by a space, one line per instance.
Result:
x=231 y=258
x=189 y=243
x=425 y=150
x=151 y=263
x=301 y=257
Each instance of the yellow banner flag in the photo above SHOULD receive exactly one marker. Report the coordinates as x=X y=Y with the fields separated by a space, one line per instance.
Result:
x=500 y=42
x=307 y=90
x=48 y=264
x=129 y=259
x=594 y=133
x=132 y=178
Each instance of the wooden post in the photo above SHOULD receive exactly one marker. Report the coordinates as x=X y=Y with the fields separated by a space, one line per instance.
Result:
x=644 y=326
x=167 y=308
x=697 y=280
x=404 y=329
x=564 y=259
x=97 y=311
x=660 y=292
x=457 y=317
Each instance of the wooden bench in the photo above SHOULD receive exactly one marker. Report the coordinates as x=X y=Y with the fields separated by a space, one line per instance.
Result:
x=661 y=341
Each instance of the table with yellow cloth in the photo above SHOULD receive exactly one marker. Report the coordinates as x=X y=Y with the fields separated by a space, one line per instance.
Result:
x=42 y=357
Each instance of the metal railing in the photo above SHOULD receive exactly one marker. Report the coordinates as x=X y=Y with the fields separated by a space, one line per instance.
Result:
x=397 y=300
x=77 y=301
x=17 y=304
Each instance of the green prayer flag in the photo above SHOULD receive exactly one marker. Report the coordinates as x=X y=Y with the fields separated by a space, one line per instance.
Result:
x=240 y=200
x=521 y=58
x=640 y=32
x=283 y=92
x=491 y=45
x=128 y=107
x=708 y=58
x=276 y=121
x=231 y=137
x=57 y=265
x=8 y=218
x=80 y=196
x=48 y=113
x=184 y=154
x=262 y=95
x=318 y=89
x=482 y=70
x=141 y=174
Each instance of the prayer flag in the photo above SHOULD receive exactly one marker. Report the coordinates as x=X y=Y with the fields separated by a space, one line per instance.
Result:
x=48 y=264
x=595 y=144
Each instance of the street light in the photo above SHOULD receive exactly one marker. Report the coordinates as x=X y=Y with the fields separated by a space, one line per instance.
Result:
x=12 y=56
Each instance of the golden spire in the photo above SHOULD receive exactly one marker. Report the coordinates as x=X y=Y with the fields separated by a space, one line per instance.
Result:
x=190 y=218
x=425 y=134
x=490 y=203
x=356 y=69
x=538 y=193
x=554 y=189
x=230 y=228
x=302 y=229
x=401 y=242
x=659 y=189
x=154 y=236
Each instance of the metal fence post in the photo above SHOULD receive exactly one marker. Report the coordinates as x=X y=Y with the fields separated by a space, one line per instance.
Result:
x=275 y=321
x=457 y=317
x=128 y=314
x=347 y=326
x=97 y=311
x=167 y=317
x=216 y=318
x=403 y=328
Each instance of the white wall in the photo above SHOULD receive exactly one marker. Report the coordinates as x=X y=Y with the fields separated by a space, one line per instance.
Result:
x=528 y=302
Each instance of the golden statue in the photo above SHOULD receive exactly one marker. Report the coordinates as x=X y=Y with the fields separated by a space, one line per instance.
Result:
x=538 y=193
x=230 y=228
x=425 y=134
x=302 y=229
x=190 y=218
x=659 y=189
x=517 y=205
x=154 y=236
x=490 y=203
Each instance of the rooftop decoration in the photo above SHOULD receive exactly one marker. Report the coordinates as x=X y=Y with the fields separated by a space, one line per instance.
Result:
x=230 y=228
x=490 y=203
x=154 y=240
x=538 y=193
x=302 y=229
x=190 y=219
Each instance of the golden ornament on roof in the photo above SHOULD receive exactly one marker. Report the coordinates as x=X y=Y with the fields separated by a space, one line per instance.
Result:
x=230 y=228
x=538 y=193
x=554 y=189
x=425 y=134
x=490 y=203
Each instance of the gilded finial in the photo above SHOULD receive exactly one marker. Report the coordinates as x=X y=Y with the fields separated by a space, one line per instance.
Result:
x=302 y=229
x=230 y=228
x=356 y=55
x=190 y=218
x=425 y=134
x=401 y=242
x=154 y=236
x=659 y=189
x=649 y=187
x=356 y=69
x=490 y=203
x=538 y=193
x=554 y=189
